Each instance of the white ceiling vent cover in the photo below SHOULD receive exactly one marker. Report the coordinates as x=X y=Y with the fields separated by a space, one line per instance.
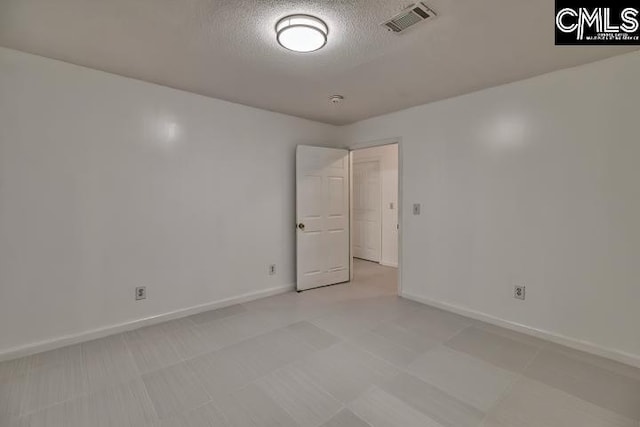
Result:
x=415 y=13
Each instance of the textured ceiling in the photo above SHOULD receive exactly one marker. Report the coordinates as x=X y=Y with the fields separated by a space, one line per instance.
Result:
x=227 y=49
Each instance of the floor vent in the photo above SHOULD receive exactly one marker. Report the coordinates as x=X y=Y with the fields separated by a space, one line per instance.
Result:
x=409 y=17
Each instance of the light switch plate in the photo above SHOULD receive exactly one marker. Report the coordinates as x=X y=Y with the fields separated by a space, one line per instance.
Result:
x=416 y=208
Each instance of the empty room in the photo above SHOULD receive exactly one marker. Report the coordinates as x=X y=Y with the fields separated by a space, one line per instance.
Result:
x=366 y=213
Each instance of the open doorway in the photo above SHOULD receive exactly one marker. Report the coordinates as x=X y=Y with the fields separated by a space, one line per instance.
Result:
x=375 y=215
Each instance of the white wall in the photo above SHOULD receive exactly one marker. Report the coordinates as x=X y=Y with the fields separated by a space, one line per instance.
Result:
x=388 y=157
x=108 y=183
x=534 y=183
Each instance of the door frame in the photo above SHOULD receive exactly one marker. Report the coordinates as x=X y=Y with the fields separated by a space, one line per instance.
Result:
x=378 y=160
x=370 y=144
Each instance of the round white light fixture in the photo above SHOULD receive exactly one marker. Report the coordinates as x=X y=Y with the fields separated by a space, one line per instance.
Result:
x=301 y=33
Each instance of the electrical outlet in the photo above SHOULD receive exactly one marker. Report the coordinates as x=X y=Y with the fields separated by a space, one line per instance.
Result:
x=416 y=208
x=272 y=269
x=519 y=292
x=141 y=293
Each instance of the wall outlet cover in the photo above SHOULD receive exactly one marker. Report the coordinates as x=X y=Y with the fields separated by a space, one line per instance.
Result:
x=141 y=293
x=519 y=292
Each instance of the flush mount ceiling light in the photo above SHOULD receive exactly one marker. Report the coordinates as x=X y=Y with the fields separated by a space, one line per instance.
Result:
x=301 y=33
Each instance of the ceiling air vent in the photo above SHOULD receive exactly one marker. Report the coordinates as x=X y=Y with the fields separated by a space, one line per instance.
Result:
x=415 y=13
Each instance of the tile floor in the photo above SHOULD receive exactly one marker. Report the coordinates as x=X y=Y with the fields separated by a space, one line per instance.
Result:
x=344 y=356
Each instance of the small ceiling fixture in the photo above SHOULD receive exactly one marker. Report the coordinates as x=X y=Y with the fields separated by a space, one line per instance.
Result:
x=336 y=99
x=301 y=33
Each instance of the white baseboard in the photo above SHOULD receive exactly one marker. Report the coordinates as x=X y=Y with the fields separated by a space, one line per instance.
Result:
x=65 y=340
x=589 y=347
x=389 y=264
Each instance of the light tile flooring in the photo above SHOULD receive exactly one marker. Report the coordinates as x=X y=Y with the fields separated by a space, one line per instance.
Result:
x=351 y=355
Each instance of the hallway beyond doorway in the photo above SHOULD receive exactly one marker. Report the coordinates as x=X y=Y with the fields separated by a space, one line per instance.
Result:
x=373 y=274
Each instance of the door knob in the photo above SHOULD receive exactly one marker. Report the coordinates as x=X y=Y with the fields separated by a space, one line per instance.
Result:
x=301 y=226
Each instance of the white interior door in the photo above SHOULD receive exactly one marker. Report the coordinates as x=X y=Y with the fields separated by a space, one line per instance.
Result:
x=322 y=212
x=367 y=231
